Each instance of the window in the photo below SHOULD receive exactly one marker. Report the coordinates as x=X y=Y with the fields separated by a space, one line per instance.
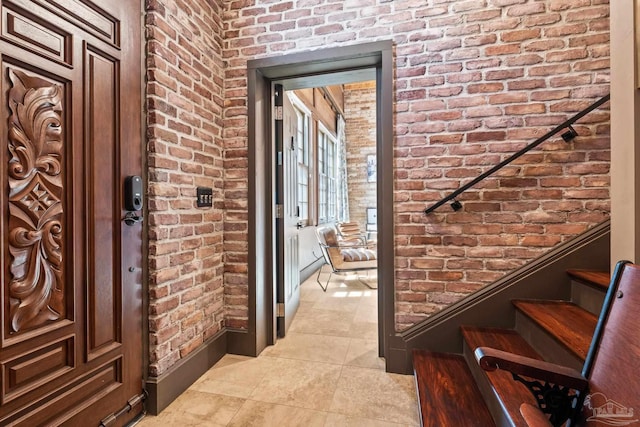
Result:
x=302 y=145
x=304 y=157
x=327 y=165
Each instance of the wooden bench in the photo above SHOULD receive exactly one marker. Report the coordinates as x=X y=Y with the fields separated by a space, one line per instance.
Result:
x=607 y=390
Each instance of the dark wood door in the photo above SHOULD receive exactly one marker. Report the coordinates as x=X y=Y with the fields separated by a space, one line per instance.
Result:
x=71 y=336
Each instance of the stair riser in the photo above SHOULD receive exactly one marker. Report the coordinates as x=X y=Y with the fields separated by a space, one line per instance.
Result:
x=499 y=414
x=587 y=297
x=545 y=345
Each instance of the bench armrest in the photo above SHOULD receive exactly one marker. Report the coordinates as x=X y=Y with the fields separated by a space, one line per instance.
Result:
x=491 y=359
x=533 y=416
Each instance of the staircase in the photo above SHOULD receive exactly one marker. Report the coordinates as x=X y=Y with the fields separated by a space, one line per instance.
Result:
x=454 y=391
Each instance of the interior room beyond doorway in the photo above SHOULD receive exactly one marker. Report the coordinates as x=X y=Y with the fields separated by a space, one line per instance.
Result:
x=335 y=139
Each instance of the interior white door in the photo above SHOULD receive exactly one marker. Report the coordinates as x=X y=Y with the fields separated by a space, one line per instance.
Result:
x=288 y=292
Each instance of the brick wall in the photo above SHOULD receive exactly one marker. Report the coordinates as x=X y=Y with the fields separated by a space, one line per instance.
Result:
x=185 y=150
x=360 y=135
x=475 y=81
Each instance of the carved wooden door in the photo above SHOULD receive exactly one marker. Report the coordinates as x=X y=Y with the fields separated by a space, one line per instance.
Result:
x=71 y=332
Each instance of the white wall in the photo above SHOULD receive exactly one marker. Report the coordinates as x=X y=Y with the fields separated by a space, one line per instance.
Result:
x=625 y=131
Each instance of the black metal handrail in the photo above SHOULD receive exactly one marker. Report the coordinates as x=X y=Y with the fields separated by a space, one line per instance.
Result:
x=567 y=136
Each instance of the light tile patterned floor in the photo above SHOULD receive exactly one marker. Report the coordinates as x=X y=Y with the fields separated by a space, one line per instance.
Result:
x=324 y=373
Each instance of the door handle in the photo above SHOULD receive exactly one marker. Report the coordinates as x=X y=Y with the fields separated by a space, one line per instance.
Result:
x=131 y=218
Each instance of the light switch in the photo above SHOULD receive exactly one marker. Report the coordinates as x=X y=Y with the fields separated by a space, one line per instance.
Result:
x=205 y=197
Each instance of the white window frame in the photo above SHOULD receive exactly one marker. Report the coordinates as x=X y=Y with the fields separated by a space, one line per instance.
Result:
x=303 y=159
x=327 y=175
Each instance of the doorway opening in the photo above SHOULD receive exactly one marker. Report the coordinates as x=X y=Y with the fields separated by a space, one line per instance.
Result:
x=326 y=174
x=326 y=67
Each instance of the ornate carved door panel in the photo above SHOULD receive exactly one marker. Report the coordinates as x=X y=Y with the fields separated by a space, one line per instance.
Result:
x=70 y=338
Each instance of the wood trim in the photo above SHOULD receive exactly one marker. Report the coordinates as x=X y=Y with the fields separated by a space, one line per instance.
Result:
x=260 y=269
x=304 y=69
x=387 y=336
x=166 y=388
x=241 y=342
x=544 y=278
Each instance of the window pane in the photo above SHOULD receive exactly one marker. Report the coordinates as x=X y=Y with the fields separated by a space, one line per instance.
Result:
x=332 y=196
x=327 y=185
x=302 y=145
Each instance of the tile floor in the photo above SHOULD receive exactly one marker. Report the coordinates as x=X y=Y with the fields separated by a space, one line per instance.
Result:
x=324 y=373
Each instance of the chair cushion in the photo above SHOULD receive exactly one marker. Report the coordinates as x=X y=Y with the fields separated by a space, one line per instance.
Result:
x=357 y=254
x=343 y=256
x=351 y=255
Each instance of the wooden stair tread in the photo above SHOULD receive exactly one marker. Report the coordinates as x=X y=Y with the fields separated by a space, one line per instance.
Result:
x=599 y=279
x=500 y=339
x=511 y=393
x=447 y=392
x=567 y=323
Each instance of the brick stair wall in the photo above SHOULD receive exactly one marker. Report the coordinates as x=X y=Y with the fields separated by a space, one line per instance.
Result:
x=474 y=81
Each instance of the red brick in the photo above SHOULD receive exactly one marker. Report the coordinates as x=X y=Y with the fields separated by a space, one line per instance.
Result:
x=482 y=63
x=589 y=40
x=503 y=49
x=543 y=19
x=485 y=88
x=560 y=5
x=501 y=195
x=505 y=74
x=565 y=30
x=480 y=40
x=549 y=95
x=484 y=15
x=464 y=77
x=526 y=84
x=546 y=58
x=592 y=65
x=522 y=60
x=527 y=9
x=485 y=136
x=566 y=55
x=519 y=35
x=525 y=109
x=542 y=241
x=544 y=45
x=588 y=14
